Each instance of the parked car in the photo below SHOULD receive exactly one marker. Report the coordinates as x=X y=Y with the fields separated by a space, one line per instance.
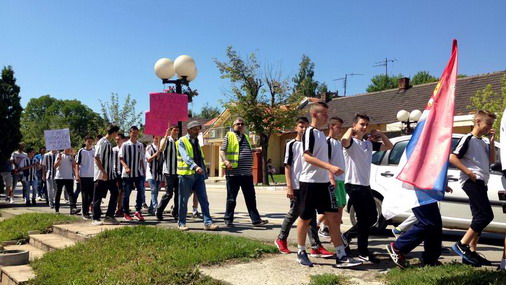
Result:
x=455 y=211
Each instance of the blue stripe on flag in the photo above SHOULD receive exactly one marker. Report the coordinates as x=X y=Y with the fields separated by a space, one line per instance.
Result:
x=414 y=138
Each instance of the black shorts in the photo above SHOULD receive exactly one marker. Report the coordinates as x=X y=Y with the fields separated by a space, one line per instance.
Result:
x=316 y=197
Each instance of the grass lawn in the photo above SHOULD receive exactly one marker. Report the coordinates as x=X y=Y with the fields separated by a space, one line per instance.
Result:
x=327 y=279
x=17 y=228
x=143 y=255
x=450 y=274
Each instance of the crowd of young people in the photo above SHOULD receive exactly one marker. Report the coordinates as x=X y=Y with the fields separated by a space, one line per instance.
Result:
x=321 y=171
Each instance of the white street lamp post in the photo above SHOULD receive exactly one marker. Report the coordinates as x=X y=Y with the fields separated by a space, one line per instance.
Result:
x=408 y=118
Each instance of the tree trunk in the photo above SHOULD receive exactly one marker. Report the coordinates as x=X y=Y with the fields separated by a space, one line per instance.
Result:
x=264 y=143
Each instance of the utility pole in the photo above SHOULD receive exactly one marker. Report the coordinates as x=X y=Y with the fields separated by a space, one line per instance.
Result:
x=385 y=64
x=345 y=78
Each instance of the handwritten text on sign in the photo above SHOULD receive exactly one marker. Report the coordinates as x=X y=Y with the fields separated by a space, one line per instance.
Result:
x=57 y=139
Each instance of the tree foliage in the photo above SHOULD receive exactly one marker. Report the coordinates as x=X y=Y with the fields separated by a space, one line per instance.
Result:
x=122 y=115
x=489 y=100
x=422 y=77
x=305 y=85
x=10 y=113
x=263 y=99
x=208 y=112
x=382 y=82
x=46 y=113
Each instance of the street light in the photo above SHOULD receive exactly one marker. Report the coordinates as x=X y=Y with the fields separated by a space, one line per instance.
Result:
x=408 y=118
x=185 y=69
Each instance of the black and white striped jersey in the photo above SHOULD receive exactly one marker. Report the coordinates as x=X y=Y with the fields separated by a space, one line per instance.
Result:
x=31 y=173
x=133 y=154
x=170 y=157
x=104 y=152
x=118 y=167
x=154 y=170
x=48 y=161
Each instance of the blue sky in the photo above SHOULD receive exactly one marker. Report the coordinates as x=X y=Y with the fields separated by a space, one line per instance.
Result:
x=87 y=49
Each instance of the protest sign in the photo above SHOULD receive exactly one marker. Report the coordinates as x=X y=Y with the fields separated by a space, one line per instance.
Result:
x=154 y=125
x=57 y=139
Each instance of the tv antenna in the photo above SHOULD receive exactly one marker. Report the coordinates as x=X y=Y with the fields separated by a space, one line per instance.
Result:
x=385 y=64
x=345 y=78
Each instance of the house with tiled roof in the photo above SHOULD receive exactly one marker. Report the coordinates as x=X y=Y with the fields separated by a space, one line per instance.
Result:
x=381 y=107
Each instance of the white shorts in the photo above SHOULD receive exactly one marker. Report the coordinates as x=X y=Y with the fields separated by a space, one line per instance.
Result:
x=7 y=178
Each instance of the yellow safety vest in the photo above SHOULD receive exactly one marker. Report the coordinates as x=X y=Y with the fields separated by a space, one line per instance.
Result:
x=182 y=167
x=232 y=152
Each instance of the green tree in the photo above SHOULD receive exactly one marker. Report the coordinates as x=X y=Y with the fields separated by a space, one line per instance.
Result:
x=10 y=110
x=46 y=113
x=208 y=112
x=305 y=85
x=422 y=77
x=382 y=82
x=266 y=110
x=122 y=115
x=487 y=99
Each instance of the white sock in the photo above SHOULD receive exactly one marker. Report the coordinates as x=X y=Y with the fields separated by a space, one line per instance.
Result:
x=340 y=252
x=503 y=264
x=195 y=210
x=301 y=248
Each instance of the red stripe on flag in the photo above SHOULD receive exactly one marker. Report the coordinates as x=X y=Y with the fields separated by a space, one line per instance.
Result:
x=433 y=147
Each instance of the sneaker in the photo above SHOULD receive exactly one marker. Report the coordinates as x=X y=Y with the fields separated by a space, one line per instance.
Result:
x=397 y=232
x=261 y=223
x=145 y=206
x=97 y=222
x=323 y=232
x=139 y=216
x=196 y=215
x=396 y=256
x=111 y=220
x=183 y=228
x=211 y=227
x=481 y=259
x=466 y=253
x=12 y=201
x=303 y=259
x=370 y=258
x=86 y=217
x=39 y=198
x=127 y=217
x=347 y=261
x=229 y=224
x=282 y=246
x=75 y=211
x=119 y=213
x=321 y=252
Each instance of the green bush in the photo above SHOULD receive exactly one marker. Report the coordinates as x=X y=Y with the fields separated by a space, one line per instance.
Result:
x=143 y=255
x=327 y=279
x=450 y=274
x=17 y=228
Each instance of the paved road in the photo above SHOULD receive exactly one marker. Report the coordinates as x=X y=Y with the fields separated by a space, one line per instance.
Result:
x=273 y=205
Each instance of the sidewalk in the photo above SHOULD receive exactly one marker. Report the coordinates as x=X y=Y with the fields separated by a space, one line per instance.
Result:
x=281 y=269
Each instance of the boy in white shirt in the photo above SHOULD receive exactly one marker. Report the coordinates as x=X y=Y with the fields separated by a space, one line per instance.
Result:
x=314 y=188
x=358 y=157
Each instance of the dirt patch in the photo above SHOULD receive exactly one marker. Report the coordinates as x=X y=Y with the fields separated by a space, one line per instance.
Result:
x=284 y=269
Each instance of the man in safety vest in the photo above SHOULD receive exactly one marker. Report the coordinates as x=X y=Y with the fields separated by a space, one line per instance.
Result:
x=237 y=155
x=191 y=169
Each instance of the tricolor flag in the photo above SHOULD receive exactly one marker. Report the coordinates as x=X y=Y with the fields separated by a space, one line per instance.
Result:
x=424 y=163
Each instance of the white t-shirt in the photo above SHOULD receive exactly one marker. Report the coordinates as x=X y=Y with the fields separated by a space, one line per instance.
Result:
x=17 y=157
x=473 y=152
x=358 y=158
x=64 y=170
x=336 y=156
x=314 y=142
x=293 y=158
x=86 y=160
